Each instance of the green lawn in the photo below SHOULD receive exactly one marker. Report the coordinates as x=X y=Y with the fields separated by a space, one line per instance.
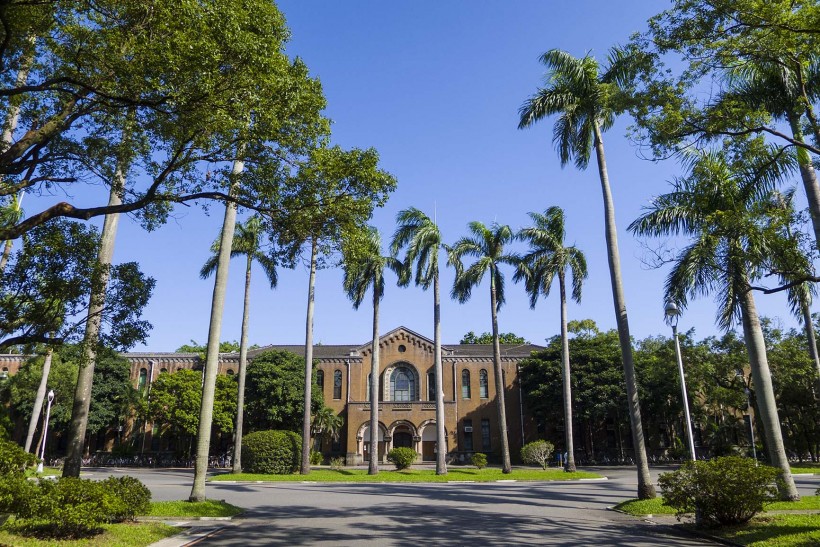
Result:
x=114 y=535
x=414 y=475
x=655 y=506
x=47 y=472
x=183 y=509
x=775 y=531
x=806 y=467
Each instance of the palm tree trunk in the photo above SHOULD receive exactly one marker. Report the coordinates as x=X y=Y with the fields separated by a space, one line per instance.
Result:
x=570 y=463
x=441 y=437
x=99 y=286
x=506 y=467
x=206 y=409
x=756 y=347
x=38 y=399
x=809 y=178
x=808 y=325
x=243 y=364
x=10 y=125
x=373 y=465
x=646 y=490
x=305 y=467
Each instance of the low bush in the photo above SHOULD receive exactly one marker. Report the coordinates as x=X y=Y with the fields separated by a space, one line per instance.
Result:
x=727 y=490
x=271 y=452
x=402 y=458
x=537 y=453
x=13 y=459
x=337 y=463
x=479 y=460
x=316 y=457
x=126 y=498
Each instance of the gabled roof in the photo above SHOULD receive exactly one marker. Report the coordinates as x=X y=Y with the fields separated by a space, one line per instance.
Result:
x=399 y=334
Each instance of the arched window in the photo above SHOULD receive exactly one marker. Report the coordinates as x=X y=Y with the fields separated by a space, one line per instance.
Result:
x=320 y=380
x=465 y=384
x=337 y=384
x=229 y=372
x=142 y=379
x=431 y=386
x=483 y=388
x=402 y=385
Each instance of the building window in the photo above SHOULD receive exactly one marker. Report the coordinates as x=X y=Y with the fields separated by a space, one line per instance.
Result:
x=468 y=435
x=337 y=384
x=142 y=379
x=485 y=434
x=402 y=385
x=483 y=387
x=229 y=372
x=320 y=380
x=431 y=386
x=465 y=384
x=163 y=370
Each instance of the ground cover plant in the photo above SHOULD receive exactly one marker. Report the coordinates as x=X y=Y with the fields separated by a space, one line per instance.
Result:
x=126 y=534
x=658 y=507
x=414 y=475
x=790 y=530
x=207 y=508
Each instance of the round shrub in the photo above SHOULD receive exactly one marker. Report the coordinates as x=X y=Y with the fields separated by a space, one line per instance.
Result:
x=316 y=457
x=126 y=498
x=271 y=452
x=537 y=453
x=479 y=460
x=728 y=490
x=65 y=507
x=13 y=459
x=402 y=458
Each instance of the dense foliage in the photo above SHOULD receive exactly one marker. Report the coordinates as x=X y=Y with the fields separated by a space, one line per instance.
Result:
x=726 y=490
x=537 y=453
x=402 y=457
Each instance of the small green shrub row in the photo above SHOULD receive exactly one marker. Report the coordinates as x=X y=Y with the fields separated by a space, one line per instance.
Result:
x=271 y=452
x=727 y=490
x=402 y=458
x=70 y=506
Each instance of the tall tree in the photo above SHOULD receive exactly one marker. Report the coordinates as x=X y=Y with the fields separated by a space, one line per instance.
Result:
x=486 y=245
x=738 y=230
x=338 y=191
x=547 y=259
x=585 y=100
x=364 y=269
x=203 y=441
x=422 y=239
x=247 y=243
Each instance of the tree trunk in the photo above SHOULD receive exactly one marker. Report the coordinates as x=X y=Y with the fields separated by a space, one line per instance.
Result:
x=243 y=363
x=305 y=467
x=764 y=392
x=808 y=325
x=38 y=399
x=441 y=436
x=9 y=126
x=570 y=463
x=646 y=490
x=809 y=178
x=206 y=409
x=373 y=465
x=96 y=304
x=506 y=467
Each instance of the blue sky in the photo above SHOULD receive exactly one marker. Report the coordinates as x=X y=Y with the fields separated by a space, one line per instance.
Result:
x=435 y=87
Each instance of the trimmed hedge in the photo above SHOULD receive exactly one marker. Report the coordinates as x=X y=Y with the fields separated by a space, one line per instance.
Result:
x=271 y=452
x=403 y=457
x=479 y=459
x=728 y=490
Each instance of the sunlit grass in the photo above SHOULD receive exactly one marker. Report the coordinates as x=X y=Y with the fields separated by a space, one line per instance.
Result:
x=187 y=509
x=645 y=507
x=806 y=467
x=414 y=475
x=113 y=535
x=795 y=530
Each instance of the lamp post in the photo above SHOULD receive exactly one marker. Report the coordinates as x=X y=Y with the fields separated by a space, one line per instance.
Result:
x=672 y=313
x=45 y=431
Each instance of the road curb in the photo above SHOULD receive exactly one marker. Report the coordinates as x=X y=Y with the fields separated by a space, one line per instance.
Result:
x=191 y=536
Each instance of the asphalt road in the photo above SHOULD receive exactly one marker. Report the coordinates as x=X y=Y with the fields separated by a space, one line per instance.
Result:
x=554 y=513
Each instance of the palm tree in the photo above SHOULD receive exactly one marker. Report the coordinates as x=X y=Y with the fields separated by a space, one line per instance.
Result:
x=583 y=99
x=548 y=259
x=421 y=237
x=327 y=422
x=487 y=246
x=781 y=89
x=364 y=268
x=206 y=409
x=738 y=227
x=246 y=242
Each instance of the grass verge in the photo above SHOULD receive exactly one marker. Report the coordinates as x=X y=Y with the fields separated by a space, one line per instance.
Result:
x=775 y=530
x=645 y=507
x=187 y=509
x=413 y=475
x=113 y=535
x=47 y=472
x=806 y=467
